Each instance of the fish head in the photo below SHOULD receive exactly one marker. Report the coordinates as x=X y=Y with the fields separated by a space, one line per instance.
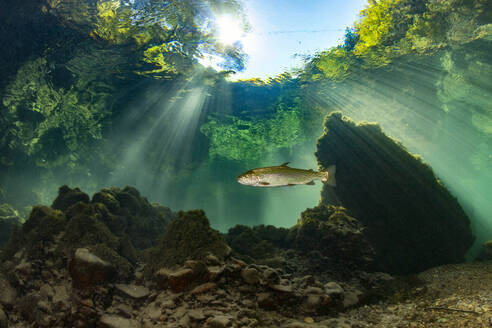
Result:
x=249 y=178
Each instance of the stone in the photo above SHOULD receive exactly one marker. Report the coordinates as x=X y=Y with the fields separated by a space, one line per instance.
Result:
x=313 y=290
x=153 y=311
x=46 y=291
x=196 y=315
x=203 y=288
x=124 y=310
x=214 y=272
x=250 y=276
x=212 y=260
x=133 y=291
x=219 y=321
x=351 y=298
x=282 y=288
x=61 y=297
x=312 y=303
x=271 y=276
x=180 y=280
x=333 y=288
x=8 y=294
x=88 y=269
x=114 y=321
x=308 y=320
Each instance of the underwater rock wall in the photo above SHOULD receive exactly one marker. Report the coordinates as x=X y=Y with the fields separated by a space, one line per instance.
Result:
x=412 y=220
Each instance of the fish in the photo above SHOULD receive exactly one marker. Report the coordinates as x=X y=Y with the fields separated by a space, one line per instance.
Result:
x=283 y=175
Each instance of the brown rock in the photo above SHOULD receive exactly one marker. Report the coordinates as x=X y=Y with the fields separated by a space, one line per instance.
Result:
x=87 y=269
x=203 y=288
x=180 y=280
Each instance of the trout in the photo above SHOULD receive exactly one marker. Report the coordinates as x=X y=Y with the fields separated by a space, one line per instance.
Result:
x=283 y=175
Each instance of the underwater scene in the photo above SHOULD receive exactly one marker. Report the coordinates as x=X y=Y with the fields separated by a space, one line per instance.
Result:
x=246 y=163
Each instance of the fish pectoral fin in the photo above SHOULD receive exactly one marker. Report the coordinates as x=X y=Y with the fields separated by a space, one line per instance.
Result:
x=285 y=164
x=263 y=183
x=311 y=183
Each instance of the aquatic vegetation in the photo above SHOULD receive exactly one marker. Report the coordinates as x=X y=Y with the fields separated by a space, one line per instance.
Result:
x=249 y=140
x=408 y=213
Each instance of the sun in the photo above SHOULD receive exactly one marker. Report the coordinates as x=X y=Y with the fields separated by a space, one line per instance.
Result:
x=229 y=30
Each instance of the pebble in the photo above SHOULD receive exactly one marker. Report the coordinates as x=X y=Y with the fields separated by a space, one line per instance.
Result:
x=219 y=321
x=282 y=288
x=114 y=321
x=133 y=291
x=250 y=276
x=196 y=314
x=203 y=288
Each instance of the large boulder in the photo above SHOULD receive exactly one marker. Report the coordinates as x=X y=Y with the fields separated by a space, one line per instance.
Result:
x=412 y=220
x=188 y=237
x=337 y=236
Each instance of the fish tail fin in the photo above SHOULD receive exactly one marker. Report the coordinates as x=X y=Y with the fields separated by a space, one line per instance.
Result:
x=329 y=176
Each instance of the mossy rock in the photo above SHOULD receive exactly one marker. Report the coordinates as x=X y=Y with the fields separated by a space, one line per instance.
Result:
x=336 y=235
x=411 y=219
x=131 y=214
x=259 y=242
x=188 y=237
x=67 y=197
x=40 y=229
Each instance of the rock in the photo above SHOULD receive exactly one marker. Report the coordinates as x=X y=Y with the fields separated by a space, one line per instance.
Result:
x=180 y=280
x=153 y=311
x=189 y=236
x=351 y=298
x=196 y=315
x=67 y=197
x=203 y=288
x=124 y=310
x=266 y=301
x=250 y=276
x=133 y=291
x=61 y=297
x=46 y=291
x=312 y=303
x=333 y=288
x=308 y=320
x=410 y=218
x=114 y=321
x=271 y=276
x=87 y=269
x=8 y=294
x=313 y=290
x=211 y=259
x=4 y=322
x=282 y=288
x=214 y=272
x=219 y=321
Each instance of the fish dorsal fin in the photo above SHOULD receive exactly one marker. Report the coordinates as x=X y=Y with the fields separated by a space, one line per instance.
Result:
x=285 y=164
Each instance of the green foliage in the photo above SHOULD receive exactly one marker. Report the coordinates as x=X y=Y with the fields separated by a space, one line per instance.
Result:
x=389 y=29
x=250 y=140
x=167 y=35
